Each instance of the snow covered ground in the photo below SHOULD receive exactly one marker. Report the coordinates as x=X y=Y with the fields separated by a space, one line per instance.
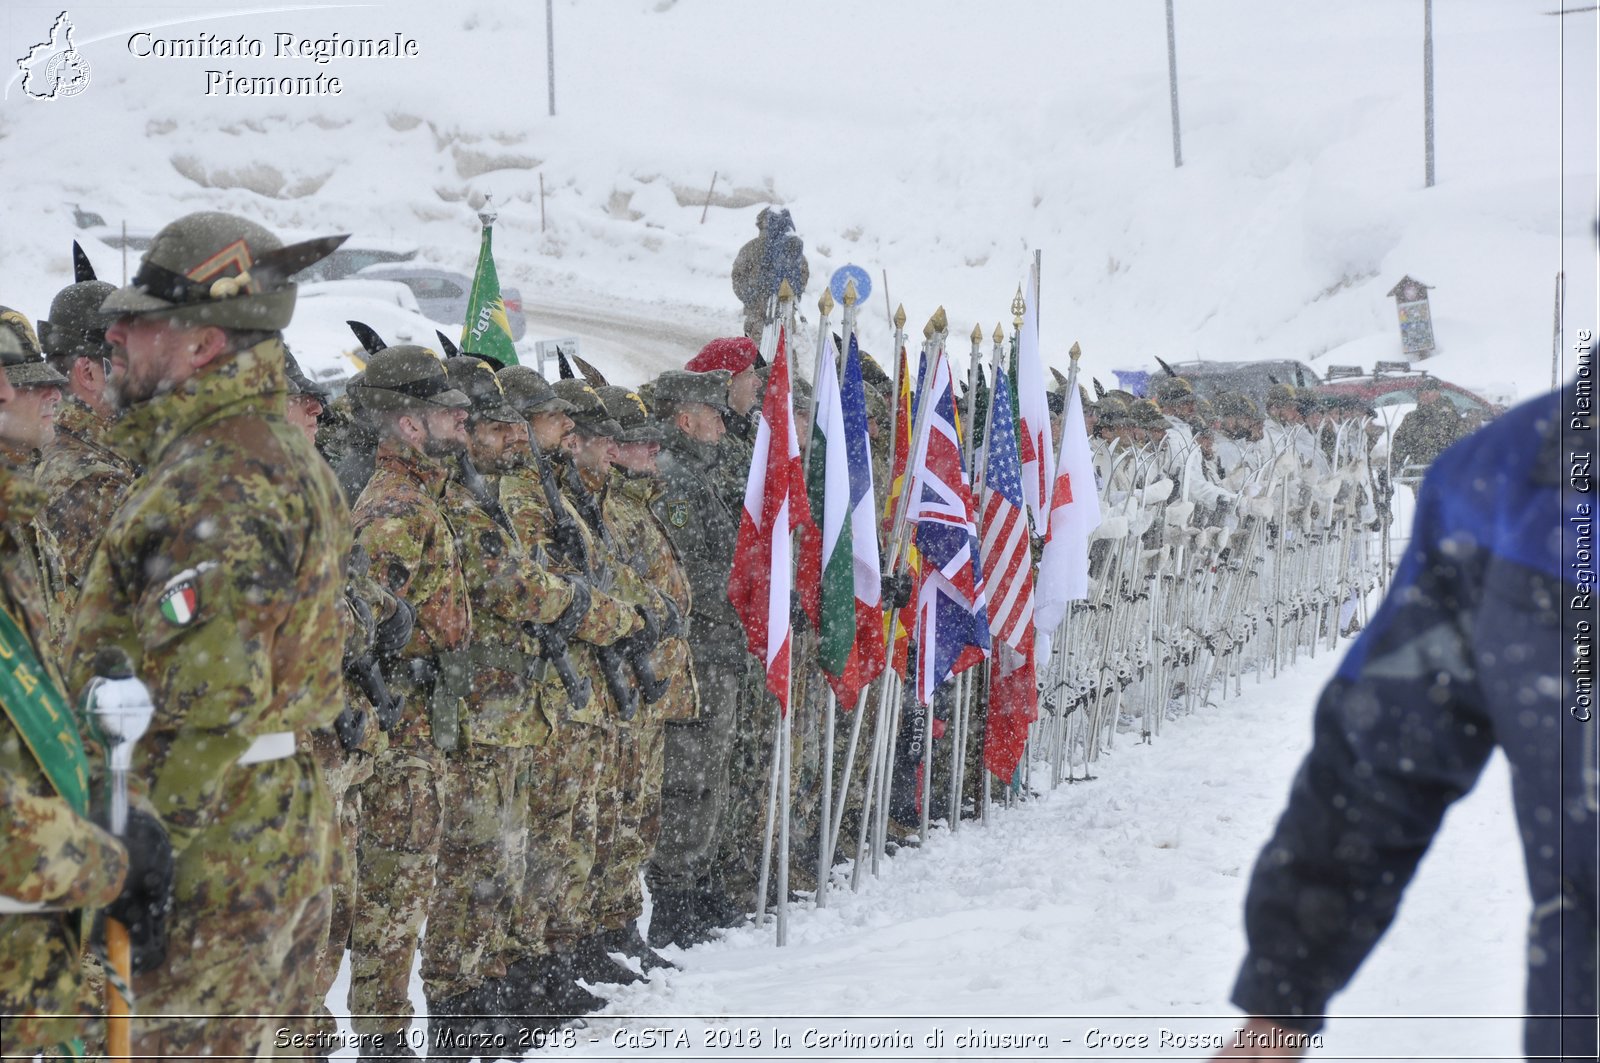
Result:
x=1111 y=905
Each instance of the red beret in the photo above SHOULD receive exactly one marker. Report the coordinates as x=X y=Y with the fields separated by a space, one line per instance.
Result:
x=733 y=353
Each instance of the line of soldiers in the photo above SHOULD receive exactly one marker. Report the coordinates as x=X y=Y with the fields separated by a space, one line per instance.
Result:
x=438 y=671
x=454 y=649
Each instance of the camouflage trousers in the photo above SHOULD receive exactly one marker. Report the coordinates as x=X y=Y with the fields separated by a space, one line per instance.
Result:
x=479 y=877
x=695 y=781
x=561 y=800
x=397 y=854
x=250 y=912
x=629 y=819
x=347 y=810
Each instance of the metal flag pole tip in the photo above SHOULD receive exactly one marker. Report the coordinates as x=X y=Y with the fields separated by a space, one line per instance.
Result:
x=900 y=316
x=850 y=294
x=825 y=304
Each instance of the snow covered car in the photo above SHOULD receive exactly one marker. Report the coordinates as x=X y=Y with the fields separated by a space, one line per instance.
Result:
x=443 y=293
x=354 y=255
x=321 y=338
x=1250 y=379
x=1397 y=384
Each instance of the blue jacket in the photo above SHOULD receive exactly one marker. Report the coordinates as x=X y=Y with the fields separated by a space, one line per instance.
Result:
x=1472 y=648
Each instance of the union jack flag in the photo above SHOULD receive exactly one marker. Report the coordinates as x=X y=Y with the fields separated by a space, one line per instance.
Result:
x=952 y=623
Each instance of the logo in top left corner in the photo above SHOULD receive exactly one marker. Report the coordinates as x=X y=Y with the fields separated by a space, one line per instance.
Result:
x=55 y=69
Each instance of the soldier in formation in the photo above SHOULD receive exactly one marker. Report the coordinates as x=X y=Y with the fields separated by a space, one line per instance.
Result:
x=485 y=688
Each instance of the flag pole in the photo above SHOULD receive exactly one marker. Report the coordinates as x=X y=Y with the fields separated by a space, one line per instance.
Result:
x=786 y=313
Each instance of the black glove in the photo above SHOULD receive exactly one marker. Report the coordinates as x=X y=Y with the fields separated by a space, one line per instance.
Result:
x=393 y=633
x=567 y=623
x=351 y=727
x=896 y=589
x=644 y=640
x=566 y=539
x=671 y=619
x=146 y=898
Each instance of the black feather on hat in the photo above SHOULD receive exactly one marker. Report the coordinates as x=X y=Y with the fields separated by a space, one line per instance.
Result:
x=371 y=342
x=450 y=349
x=564 y=367
x=82 y=268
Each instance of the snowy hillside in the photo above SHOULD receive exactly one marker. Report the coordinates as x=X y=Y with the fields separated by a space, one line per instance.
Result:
x=941 y=142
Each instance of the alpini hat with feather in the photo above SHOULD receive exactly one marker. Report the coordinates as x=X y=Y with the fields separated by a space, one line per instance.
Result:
x=211 y=268
x=406 y=379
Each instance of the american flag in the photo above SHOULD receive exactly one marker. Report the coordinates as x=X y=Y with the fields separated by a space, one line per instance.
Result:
x=1009 y=589
x=1013 y=692
x=952 y=625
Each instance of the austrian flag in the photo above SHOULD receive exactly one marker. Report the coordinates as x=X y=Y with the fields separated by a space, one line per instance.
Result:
x=775 y=506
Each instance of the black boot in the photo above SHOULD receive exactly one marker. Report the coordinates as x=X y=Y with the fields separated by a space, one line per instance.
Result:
x=627 y=941
x=675 y=919
x=566 y=997
x=593 y=963
x=453 y=1027
x=385 y=1048
x=524 y=1000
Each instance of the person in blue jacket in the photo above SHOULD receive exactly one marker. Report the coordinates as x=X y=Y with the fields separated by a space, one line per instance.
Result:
x=1484 y=641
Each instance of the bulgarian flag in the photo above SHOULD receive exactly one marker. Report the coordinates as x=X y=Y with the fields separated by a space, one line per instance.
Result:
x=774 y=507
x=487 y=332
x=839 y=573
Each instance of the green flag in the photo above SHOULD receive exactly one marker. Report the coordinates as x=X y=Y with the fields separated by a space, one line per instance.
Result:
x=486 y=332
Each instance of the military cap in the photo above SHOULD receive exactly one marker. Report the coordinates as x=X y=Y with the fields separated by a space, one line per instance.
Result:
x=1169 y=389
x=211 y=268
x=1280 y=395
x=1233 y=404
x=1146 y=414
x=588 y=409
x=406 y=378
x=476 y=378
x=631 y=415
x=75 y=327
x=678 y=386
x=802 y=395
x=733 y=353
x=530 y=393
x=299 y=383
x=1116 y=402
x=24 y=362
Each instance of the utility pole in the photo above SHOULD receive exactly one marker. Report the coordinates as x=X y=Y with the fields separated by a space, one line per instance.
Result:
x=1172 y=85
x=1427 y=89
x=550 y=50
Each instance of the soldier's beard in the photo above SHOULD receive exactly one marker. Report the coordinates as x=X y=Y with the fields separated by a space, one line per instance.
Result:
x=442 y=446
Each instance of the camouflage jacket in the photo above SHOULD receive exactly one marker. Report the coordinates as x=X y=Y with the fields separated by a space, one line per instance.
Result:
x=506 y=587
x=401 y=521
x=31 y=537
x=609 y=618
x=48 y=853
x=645 y=548
x=220 y=576
x=85 y=480
x=704 y=531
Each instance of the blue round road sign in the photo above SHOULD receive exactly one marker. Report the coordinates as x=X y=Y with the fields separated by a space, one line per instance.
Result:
x=844 y=275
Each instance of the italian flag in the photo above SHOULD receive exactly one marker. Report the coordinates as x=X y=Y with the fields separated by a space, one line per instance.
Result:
x=839 y=572
x=774 y=507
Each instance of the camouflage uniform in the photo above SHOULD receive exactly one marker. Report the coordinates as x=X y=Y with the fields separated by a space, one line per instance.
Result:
x=227 y=550
x=85 y=480
x=48 y=853
x=400 y=519
x=644 y=548
x=695 y=789
x=346 y=769
x=485 y=824
x=564 y=798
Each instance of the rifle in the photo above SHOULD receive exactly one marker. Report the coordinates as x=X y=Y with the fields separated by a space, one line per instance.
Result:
x=566 y=539
x=552 y=638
